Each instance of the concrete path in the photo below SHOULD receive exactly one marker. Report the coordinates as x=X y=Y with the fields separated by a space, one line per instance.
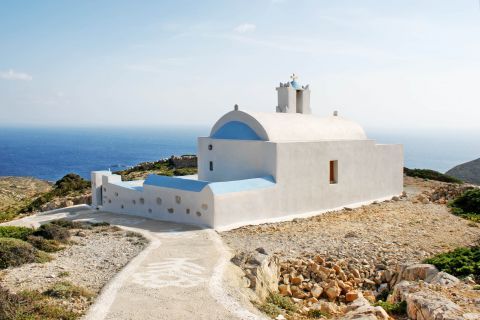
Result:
x=180 y=275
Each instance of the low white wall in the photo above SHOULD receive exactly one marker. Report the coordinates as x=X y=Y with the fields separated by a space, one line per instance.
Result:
x=160 y=203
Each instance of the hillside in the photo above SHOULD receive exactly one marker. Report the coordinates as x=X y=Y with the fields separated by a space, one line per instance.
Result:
x=16 y=192
x=468 y=172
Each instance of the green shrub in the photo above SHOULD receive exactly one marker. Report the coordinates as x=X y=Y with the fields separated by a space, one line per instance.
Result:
x=283 y=302
x=68 y=224
x=67 y=290
x=8 y=304
x=459 y=262
x=15 y=252
x=52 y=232
x=398 y=308
x=468 y=203
x=44 y=244
x=431 y=175
x=316 y=314
x=15 y=232
x=270 y=309
x=31 y=305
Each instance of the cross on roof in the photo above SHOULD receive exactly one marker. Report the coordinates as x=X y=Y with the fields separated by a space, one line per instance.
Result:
x=293 y=77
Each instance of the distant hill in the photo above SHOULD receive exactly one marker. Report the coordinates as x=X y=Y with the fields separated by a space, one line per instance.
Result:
x=468 y=171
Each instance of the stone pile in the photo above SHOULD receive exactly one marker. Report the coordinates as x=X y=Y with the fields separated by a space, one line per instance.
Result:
x=334 y=280
x=442 y=194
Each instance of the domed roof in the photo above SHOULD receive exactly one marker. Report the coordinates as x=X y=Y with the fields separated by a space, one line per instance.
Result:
x=281 y=127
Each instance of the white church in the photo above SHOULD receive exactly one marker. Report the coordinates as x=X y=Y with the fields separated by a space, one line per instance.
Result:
x=264 y=167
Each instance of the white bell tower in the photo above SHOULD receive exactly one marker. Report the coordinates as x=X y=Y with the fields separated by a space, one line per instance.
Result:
x=293 y=98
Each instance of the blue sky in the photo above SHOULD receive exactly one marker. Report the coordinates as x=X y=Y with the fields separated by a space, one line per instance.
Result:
x=397 y=64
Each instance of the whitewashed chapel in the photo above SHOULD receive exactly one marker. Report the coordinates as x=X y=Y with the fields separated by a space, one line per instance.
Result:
x=259 y=167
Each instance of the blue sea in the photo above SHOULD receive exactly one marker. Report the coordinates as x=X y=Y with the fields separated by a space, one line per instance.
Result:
x=50 y=153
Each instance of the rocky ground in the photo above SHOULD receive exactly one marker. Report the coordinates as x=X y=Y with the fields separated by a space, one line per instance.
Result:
x=336 y=256
x=91 y=260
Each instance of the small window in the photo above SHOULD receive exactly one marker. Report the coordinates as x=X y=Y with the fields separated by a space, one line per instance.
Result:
x=133 y=201
x=149 y=210
x=187 y=211
x=210 y=147
x=170 y=210
x=122 y=206
x=116 y=194
x=109 y=201
x=159 y=201
x=142 y=201
x=204 y=206
x=104 y=189
x=211 y=165
x=333 y=171
x=178 y=199
x=199 y=214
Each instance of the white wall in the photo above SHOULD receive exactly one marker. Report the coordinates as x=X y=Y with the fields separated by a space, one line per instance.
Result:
x=235 y=159
x=366 y=171
x=200 y=204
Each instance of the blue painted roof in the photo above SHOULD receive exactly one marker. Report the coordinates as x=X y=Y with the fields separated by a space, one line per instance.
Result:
x=133 y=185
x=235 y=130
x=175 y=183
x=242 y=185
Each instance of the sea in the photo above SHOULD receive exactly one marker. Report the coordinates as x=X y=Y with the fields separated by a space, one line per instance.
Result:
x=50 y=153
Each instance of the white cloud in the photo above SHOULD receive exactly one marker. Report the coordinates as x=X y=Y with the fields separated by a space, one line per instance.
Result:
x=14 y=75
x=246 y=27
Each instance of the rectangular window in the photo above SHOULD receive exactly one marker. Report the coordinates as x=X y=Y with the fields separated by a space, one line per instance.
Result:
x=333 y=171
x=211 y=165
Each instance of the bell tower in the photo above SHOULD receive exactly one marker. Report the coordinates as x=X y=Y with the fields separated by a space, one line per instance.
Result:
x=293 y=98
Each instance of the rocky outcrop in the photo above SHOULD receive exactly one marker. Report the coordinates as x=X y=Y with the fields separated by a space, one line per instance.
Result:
x=58 y=203
x=262 y=272
x=468 y=172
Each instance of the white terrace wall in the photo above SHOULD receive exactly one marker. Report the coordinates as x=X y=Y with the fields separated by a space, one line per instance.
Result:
x=235 y=159
x=159 y=203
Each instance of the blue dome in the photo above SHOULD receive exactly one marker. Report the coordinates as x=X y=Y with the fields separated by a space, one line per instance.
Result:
x=295 y=85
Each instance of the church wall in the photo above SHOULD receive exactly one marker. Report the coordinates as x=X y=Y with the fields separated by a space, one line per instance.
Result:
x=235 y=159
x=366 y=171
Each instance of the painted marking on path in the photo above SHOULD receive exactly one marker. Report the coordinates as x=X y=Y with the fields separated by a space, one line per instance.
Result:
x=172 y=272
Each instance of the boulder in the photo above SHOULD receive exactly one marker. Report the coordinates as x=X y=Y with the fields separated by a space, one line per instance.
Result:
x=416 y=272
x=444 y=279
x=423 y=305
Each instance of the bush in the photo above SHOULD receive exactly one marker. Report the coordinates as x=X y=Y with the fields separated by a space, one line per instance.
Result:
x=67 y=290
x=52 y=232
x=468 y=203
x=398 y=308
x=316 y=314
x=44 y=244
x=68 y=224
x=283 y=302
x=430 y=175
x=8 y=304
x=15 y=252
x=15 y=232
x=459 y=262
x=31 y=305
